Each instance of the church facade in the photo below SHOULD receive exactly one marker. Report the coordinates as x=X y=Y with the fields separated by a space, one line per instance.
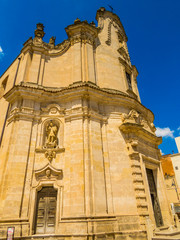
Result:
x=79 y=157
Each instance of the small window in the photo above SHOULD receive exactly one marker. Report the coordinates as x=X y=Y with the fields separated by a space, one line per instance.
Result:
x=3 y=87
x=4 y=83
x=176 y=168
x=128 y=77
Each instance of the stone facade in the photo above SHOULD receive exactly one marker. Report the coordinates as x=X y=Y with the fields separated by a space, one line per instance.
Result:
x=75 y=137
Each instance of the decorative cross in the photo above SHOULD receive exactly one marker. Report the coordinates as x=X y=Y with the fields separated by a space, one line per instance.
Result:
x=111 y=8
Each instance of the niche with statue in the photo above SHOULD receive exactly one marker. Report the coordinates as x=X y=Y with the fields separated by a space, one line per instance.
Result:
x=51 y=140
x=51 y=129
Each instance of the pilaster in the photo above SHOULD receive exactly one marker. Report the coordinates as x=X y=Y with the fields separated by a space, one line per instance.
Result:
x=24 y=67
x=35 y=67
x=82 y=36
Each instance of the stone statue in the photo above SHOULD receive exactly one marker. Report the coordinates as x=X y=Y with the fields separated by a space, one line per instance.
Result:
x=52 y=40
x=51 y=135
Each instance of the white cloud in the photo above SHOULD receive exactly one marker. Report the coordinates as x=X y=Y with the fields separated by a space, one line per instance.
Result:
x=161 y=152
x=1 y=52
x=164 y=132
x=178 y=128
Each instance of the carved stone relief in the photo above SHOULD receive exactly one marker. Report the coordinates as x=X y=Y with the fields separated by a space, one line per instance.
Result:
x=108 y=42
x=48 y=172
x=53 y=109
x=134 y=117
x=50 y=154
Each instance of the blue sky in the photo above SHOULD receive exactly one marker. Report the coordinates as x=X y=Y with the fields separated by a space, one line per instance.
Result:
x=153 y=30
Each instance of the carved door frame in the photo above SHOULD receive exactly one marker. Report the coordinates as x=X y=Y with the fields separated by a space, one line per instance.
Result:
x=154 y=196
x=33 y=201
x=154 y=165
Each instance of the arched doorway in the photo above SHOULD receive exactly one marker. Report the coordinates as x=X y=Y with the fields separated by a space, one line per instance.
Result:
x=46 y=211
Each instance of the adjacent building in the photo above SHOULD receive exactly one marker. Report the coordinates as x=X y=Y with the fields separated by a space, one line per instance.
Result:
x=171 y=169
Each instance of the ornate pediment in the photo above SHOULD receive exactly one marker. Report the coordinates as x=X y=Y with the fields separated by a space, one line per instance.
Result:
x=53 y=109
x=48 y=172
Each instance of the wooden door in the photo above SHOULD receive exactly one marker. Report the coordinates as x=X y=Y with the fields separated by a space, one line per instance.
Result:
x=46 y=211
x=154 y=198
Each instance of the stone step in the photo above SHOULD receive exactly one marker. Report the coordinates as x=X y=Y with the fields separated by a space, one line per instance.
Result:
x=167 y=233
x=166 y=238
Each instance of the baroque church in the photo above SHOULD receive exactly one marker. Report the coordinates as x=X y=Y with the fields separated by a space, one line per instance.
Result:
x=79 y=157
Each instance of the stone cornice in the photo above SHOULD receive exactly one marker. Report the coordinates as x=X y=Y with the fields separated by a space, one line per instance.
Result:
x=138 y=130
x=150 y=159
x=24 y=113
x=85 y=113
x=79 y=89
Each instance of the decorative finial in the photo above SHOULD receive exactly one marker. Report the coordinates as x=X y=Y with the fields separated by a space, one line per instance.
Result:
x=102 y=9
x=77 y=21
x=39 y=32
x=111 y=8
x=93 y=24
